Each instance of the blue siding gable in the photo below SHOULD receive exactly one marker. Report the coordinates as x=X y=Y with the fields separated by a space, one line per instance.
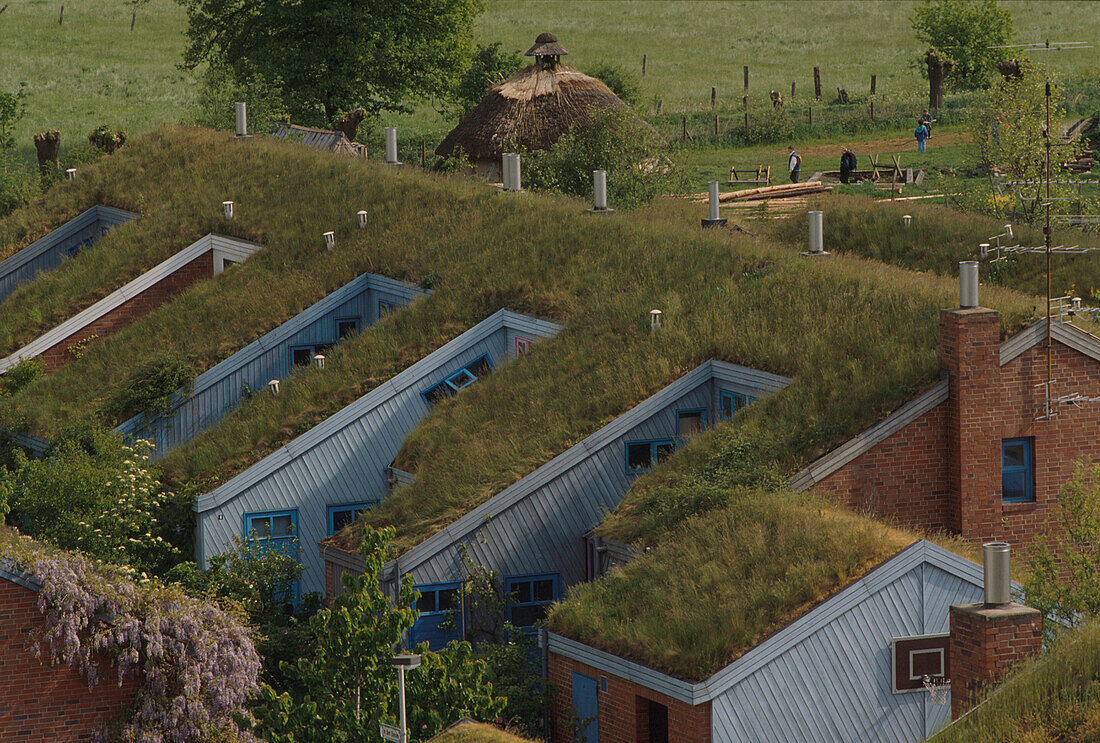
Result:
x=345 y=459
x=537 y=525
x=47 y=253
x=219 y=390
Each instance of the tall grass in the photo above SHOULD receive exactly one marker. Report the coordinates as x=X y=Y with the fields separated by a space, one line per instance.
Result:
x=1052 y=699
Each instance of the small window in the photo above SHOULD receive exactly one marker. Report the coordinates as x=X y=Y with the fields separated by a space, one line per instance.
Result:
x=1017 y=470
x=731 y=402
x=227 y=264
x=529 y=598
x=301 y=355
x=460 y=379
x=523 y=345
x=341 y=516
x=346 y=327
x=435 y=599
x=386 y=307
x=645 y=455
x=914 y=658
x=690 y=422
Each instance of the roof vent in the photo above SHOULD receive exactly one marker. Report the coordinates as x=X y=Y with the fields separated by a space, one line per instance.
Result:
x=546 y=51
x=330 y=239
x=227 y=209
x=71 y=174
x=906 y=219
x=242 y=119
x=654 y=320
x=319 y=361
x=273 y=386
x=362 y=219
x=391 y=145
x=997 y=580
x=968 y=284
x=713 y=220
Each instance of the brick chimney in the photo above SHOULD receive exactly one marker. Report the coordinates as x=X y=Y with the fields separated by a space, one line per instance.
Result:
x=970 y=354
x=990 y=637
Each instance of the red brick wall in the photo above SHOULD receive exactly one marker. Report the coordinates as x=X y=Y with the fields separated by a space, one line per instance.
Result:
x=39 y=702
x=622 y=709
x=944 y=469
x=132 y=309
x=985 y=644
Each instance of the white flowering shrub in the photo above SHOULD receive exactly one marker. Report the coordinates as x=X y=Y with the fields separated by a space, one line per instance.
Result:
x=103 y=500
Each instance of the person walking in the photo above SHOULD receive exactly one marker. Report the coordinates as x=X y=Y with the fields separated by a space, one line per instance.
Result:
x=927 y=120
x=921 y=133
x=794 y=163
x=847 y=164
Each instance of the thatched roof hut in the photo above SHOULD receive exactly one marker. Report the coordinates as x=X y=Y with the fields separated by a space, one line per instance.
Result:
x=530 y=110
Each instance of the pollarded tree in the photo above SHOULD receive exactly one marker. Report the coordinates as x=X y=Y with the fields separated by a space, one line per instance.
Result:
x=335 y=55
x=964 y=30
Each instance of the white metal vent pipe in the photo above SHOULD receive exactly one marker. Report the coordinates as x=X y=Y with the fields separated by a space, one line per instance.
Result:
x=968 y=284
x=516 y=180
x=391 y=145
x=817 y=232
x=71 y=173
x=330 y=240
x=599 y=189
x=227 y=209
x=506 y=171
x=242 y=119
x=713 y=200
x=997 y=580
x=362 y=214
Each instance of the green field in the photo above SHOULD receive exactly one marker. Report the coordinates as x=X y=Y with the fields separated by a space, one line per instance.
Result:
x=93 y=70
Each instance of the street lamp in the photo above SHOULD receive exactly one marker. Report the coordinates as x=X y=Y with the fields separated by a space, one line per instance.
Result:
x=403 y=663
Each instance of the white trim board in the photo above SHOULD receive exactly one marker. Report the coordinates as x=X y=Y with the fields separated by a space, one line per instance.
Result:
x=218 y=244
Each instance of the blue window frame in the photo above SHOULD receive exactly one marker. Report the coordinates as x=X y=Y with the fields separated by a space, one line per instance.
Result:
x=730 y=402
x=386 y=307
x=440 y=621
x=530 y=597
x=302 y=355
x=344 y=514
x=458 y=380
x=1018 y=470
x=642 y=456
x=346 y=327
x=690 y=422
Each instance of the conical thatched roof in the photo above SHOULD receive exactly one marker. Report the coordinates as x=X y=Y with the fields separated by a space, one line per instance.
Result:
x=546 y=45
x=529 y=110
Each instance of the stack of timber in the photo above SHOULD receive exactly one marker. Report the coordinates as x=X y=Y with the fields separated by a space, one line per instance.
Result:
x=764 y=193
x=780 y=208
x=1082 y=164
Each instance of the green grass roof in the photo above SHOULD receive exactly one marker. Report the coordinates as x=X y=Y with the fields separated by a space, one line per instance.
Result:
x=476 y=732
x=1054 y=698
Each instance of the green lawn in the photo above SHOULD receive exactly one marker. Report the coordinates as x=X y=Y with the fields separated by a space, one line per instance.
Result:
x=93 y=70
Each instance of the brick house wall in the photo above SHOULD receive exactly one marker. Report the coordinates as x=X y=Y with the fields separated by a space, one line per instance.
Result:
x=986 y=642
x=622 y=709
x=944 y=469
x=40 y=703
x=132 y=309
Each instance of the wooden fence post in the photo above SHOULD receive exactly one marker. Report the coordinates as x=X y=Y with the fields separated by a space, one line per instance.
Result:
x=872 y=110
x=643 y=65
x=873 y=78
x=684 y=129
x=746 y=78
x=817 y=83
x=746 y=122
x=423 y=154
x=713 y=96
x=811 y=115
x=61 y=16
x=133 y=20
x=792 y=90
x=716 y=125
x=745 y=101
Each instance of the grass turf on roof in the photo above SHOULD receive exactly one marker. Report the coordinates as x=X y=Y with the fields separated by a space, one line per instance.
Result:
x=476 y=732
x=1054 y=698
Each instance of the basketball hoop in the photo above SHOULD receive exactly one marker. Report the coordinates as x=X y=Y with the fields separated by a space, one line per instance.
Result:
x=938 y=688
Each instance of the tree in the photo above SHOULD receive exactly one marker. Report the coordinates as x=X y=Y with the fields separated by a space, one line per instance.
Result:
x=622 y=82
x=335 y=55
x=349 y=677
x=1008 y=121
x=12 y=108
x=963 y=30
x=489 y=66
x=1063 y=571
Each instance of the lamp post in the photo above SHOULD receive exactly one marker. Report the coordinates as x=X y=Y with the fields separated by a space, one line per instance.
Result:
x=403 y=663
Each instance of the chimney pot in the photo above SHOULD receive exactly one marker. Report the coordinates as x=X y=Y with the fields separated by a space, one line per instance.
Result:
x=997 y=580
x=968 y=284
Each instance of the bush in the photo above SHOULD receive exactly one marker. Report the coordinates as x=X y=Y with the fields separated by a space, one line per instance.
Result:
x=18 y=185
x=220 y=91
x=614 y=140
x=622 y=83
x=151 y=387
x=106 y=139
x=21 y=375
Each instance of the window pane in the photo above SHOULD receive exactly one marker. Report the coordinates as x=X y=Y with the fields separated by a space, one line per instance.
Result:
x=461 y=379
x=340 y=519
x=437 y=393
x=1012 y=454
x=690 y=423
x=479 y=368
x=261 y=527
x=282 y=526
x=346 y=328
x=638 y=456
x=1014 y=486
x=426 y=602
x=727 y=406
x=664 y=451
x=544 y=590
x=527 y=616
x=448 y=599
x=302 y=356
x=521 y=592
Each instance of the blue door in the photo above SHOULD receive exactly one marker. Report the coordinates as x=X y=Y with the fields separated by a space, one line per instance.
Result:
x=586 y=708
x=440 y=620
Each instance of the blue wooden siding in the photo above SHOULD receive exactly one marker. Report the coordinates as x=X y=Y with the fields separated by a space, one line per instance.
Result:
x=219 y=390
x=538 y=524
x=47 y=253
x=345 y=458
